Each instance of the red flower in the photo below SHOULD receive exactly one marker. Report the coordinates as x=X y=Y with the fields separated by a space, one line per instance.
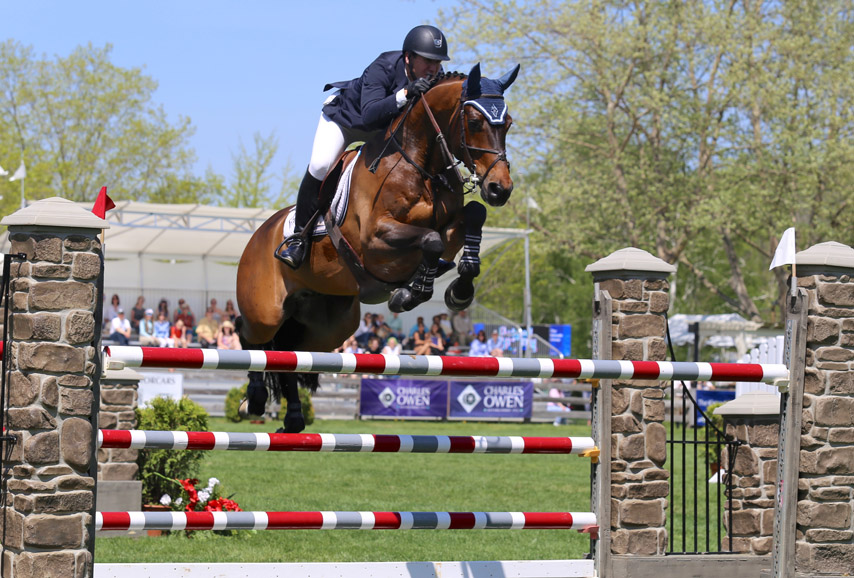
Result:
x=192 y=494
x=222 y=505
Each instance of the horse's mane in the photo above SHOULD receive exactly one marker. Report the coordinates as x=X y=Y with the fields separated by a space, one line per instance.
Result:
x=443 y=77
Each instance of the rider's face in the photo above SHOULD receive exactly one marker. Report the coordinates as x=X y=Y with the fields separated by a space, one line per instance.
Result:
x=423 y=67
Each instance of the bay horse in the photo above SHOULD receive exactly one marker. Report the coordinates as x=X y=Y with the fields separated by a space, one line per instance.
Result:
x=406 y=211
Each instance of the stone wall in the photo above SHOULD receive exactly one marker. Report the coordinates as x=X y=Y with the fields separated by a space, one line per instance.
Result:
x=639 y=483
x=754 y=482
x=825 y=520
x=53 y=380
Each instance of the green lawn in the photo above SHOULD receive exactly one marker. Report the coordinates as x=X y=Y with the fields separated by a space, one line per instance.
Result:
x=418 y=482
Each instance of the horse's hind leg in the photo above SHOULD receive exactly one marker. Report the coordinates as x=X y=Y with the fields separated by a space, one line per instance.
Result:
x=460 y=292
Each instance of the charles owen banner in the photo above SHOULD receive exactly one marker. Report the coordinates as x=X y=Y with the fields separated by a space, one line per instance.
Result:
x=404 y=398
x=491 y=399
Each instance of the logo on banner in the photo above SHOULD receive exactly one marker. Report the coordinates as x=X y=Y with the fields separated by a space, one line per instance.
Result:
x=469 y=398
x=386 y=397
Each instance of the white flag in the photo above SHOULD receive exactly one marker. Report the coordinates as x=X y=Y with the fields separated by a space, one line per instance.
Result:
x=785 y=253
x=20 y=173
x=3 y=172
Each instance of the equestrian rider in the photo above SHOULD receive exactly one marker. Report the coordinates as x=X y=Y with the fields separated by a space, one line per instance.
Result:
x=361 y=107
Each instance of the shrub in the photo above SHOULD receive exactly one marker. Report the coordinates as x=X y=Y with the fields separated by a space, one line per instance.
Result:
x=232 y=402
x=165 y=414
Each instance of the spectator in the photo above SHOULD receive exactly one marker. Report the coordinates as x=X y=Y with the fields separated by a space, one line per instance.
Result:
x=365 y=330
x=218 y=314
x=112 y=310
x=162 y=330
x=392 y=347
x=185 y=314
x=146 y=330
x=120 y=327
x=137 y=313
x=479 y=348
x=178 y=334
x=395 y=324
x=447 y=328
x=207 y=329
x=494 y=344
x=419 y=329
x=351 y=346
x=375 y=345
x=381 y=328
x=420 y=341
x=163 y=307
x=227 y=338
x=230 y=312
x=437 y=341
x=463 y=328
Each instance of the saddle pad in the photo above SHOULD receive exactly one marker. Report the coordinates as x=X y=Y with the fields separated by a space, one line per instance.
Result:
x=339 y=204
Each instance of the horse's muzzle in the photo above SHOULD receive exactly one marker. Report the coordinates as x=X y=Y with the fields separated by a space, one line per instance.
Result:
x=496 y=194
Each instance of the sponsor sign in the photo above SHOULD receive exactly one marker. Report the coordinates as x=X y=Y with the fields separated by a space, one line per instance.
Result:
x=403 y=398
x=560 y=337
x=491 y=399
x=706 y=397
x=160 y=384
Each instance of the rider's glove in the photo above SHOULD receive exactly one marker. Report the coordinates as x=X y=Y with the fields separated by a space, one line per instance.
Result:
x=417 y=87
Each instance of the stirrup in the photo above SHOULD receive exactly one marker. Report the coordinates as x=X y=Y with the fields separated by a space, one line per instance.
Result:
x=287 y=260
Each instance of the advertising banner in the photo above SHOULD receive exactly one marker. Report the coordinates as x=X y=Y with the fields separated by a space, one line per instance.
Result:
x=706 y=397
x=560 y=337
x=160 y=385
x=403 y=398
x=491 y=399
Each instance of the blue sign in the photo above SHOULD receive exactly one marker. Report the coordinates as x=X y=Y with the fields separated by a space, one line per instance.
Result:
x=403 y=398
x=706 y=397
x=560 y=337
x=491 y=399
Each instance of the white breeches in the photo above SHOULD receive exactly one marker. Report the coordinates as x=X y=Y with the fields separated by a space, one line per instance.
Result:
x=330 y=140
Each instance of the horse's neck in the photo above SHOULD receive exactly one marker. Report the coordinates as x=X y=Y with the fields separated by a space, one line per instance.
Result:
x=420 y=141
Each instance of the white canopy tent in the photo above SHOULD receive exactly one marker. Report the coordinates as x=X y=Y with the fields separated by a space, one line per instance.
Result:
x=191 y=251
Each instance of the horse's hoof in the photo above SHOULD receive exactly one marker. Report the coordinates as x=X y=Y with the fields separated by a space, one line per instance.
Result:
x=243 y=410
x=399 y=300
x=455 y=302
x=468 y=268
x=294 y=422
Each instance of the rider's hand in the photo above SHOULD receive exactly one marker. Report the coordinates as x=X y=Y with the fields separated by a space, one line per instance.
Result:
x=417 y=87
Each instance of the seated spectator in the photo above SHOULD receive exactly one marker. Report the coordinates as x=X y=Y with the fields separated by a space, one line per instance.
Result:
x=381 y=328
x=392 y=347
x=437 y=341
x=445 y=325
x=120 y=327
x=395 y=324
x=111 y=311
x=207 y=329
x=365 y=330
x=478 y=347
x=420 y=341
x=463 y=328
x=230 y=312
x=495 y=345
x=137 y=313
x=419 y=329
x=185 y=314
x=162 y=329
x=351 y=346
x=163 y=307
x=227 y=338
x=146 y=330
x=178 y=334
x=218 y=314
x=375 y=345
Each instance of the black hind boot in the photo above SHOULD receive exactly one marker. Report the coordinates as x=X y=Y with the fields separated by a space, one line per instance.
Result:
x=299 y=244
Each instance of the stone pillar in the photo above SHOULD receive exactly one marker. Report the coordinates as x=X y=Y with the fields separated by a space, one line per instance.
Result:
x=637 y=285
x=825 y=513
x=754 y=420
x=118 y=402
x=53 y=385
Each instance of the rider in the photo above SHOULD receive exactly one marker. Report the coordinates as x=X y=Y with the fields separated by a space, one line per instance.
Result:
x=363 y=106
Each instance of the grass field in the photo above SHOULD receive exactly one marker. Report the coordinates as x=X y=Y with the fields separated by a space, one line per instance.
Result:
x=418 y=482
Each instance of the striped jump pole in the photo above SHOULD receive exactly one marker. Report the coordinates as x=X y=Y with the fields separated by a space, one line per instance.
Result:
x=582 y=521
x=420 y=365
x=319 y=442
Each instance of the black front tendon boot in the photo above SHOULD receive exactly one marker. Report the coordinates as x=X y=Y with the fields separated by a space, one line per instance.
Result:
x=299 y=244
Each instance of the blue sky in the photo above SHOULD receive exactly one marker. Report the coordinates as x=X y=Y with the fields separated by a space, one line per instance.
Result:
x=235 y=68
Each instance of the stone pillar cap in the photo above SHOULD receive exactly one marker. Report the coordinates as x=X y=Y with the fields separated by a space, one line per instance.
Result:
x=125 y=374
x=55 y=212
x=830 y=256
x=751 y=403
x=631 y=262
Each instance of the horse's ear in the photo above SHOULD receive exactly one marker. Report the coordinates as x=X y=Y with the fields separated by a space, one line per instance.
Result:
x=473 y=82
x=506 y=80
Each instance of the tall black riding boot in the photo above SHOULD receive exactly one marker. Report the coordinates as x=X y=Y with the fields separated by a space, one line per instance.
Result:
x=299 y=243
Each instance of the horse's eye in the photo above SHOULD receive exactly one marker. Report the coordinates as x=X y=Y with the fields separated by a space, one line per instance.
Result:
x=475 y=124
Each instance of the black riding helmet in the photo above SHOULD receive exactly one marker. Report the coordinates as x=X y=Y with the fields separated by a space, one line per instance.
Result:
x=427 y=41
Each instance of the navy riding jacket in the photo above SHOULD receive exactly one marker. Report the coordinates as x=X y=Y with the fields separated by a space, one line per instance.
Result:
x=369 y=103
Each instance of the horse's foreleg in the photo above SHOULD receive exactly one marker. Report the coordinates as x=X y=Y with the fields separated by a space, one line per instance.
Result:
x=460 y=292
x=399 y=236
x=294 y=420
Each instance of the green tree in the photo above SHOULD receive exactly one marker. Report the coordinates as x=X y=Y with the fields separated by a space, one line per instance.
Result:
x=252 y=180
x=697 y=130
x=81 y=122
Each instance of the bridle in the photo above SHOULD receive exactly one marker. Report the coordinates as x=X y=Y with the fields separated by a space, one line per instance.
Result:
x=452 y=163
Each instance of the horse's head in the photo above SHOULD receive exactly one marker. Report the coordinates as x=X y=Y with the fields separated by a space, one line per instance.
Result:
x=484 y=125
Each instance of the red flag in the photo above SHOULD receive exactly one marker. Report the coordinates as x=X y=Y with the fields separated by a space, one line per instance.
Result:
x=103 y=204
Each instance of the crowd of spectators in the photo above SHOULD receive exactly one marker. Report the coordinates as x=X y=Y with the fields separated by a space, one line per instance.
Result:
x=159 y=329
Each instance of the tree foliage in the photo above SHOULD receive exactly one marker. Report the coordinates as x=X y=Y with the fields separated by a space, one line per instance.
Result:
x=698 y=130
